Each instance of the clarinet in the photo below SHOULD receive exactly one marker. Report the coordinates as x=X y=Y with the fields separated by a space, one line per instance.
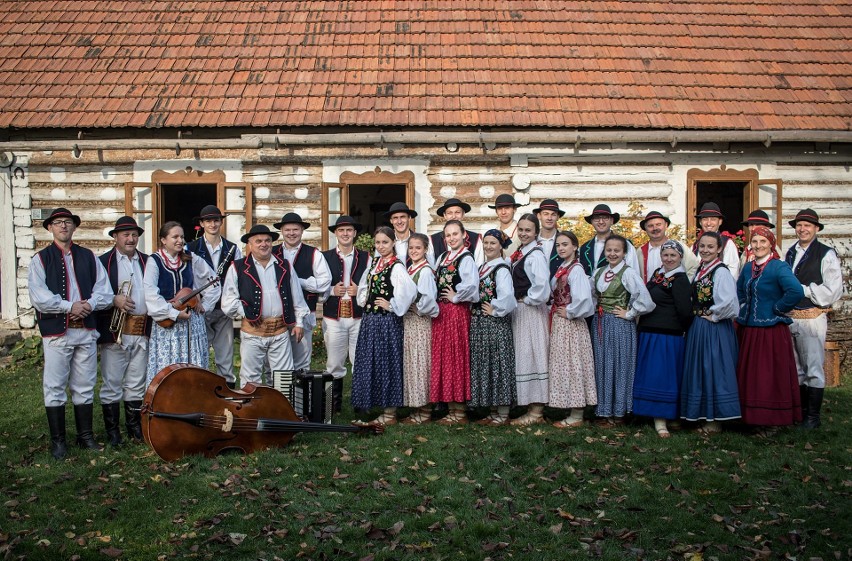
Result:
x=220 y=269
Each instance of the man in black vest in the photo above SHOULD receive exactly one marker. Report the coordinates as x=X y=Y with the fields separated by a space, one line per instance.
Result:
x=592 y=252
x=219 y=254
x=67 y=284
x=454 y=209
x=263 y=291
x=549 y=213
x=124 y=346
x=314 y=277
x=400 y=217
x=341 y=314
x=818 y=269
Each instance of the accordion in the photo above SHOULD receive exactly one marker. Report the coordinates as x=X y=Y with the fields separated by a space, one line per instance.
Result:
x=309 y=391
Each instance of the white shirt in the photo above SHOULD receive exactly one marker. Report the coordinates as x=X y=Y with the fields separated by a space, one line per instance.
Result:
x=537 y=268
x=468 y=287
x=347 y=260
x=215 y=252
x=404 y=290
x=130 y=269
x=831 y=289
x=689 y=261
x=503 y=303
x=640 y=299
x=547 y=245
x=48 y=302
x=270 y=299
x=630 y=258
x=582 y=305
x=159 y=308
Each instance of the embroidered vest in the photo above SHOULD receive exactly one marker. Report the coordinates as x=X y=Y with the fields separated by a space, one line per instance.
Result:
x=615 y=294
x=520 y=281
x=587 y=257
x=487 y=289
x=449 y=275
x=56 y=279
x=109 y=262
x=171 y=281
x=331 y=307
x=251 y=291
x=380 y=286
x=562 y=290
x=809 y=269
x=702 y=292
x=303 y=265
x=439 y=246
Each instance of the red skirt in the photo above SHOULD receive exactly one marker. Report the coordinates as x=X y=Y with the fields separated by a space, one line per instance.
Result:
x=450 y=380
x=766 y=376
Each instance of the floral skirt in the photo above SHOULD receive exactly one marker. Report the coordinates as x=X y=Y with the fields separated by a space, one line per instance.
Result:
x=492 y=361
x=377 y=372
x=450 y=381
x=185 y=342
x=416 y=359
x=572 y=364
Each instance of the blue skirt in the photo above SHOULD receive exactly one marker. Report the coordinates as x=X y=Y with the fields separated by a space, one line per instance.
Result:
x=377 y=372
x=709 y=390
x=184 y=342
x=614 y=346
x=659 y=369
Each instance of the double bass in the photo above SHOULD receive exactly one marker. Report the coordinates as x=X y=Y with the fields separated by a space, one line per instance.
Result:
x=190 y=410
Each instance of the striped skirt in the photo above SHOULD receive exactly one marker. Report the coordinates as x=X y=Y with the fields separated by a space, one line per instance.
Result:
x=614 y=345
x=531 y=330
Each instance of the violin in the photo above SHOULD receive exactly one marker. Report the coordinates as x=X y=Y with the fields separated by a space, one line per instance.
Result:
x=190 y=410
x=185 y=298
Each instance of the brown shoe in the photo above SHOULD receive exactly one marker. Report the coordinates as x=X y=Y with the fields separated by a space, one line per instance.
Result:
x=565 y=424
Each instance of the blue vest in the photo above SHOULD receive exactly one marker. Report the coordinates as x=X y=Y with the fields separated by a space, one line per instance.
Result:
x=170 y=282
x=226 y=257
x=56 y=279
x=303 y=264
x=331 y=307
x=108 y=260
x=251 y=292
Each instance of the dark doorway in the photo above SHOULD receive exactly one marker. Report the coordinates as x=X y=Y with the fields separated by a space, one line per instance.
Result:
x=183 y=202
x=729 y=195
x=368 y=203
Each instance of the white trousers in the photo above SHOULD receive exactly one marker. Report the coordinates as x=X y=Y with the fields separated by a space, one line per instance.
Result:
x=259 y=352
x=809 y=349
x=302 y=350
x=123 y=369
x=220 y=335
x=70 y=363
x=340 y=337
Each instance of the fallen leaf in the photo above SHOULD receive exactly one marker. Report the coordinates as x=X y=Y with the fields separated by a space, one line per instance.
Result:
x=112 y=552
x=396 y=528
x=236 y=538
x=556 y=528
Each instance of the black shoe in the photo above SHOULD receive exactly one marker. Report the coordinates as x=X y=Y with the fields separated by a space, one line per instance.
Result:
x=112 y=418
x=337 y=395
x=83 y=419
x=814 y=405
x=133 y=420
x=231 y=385
x=56 y=423
x=803 y=398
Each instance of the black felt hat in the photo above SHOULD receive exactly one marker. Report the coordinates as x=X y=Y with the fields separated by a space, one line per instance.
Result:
x=602 y=210
x=208 y=213
x=400 y=207
x=549 y=204
x=505 y=200
x=652 y=215
x=758 y=218
x=807 y=215
x=451 y=203
x=292 y=218
x=126 y=223
x=60 y=213
x=710 y=210
x=345 y=220
x=257 y=230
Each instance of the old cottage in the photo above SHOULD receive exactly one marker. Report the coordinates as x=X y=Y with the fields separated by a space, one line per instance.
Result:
x=157 y=108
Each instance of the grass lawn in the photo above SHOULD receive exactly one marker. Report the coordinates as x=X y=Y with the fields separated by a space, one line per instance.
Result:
x=430 y=493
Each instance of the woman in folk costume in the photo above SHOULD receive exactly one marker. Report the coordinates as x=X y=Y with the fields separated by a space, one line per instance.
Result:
x=572 y=382
x=458 y=287
x=621 y=297
x=385 y=293
x=530 y=321
x=172 y=270
x=492 y=355
x=766 y=370
x=709 y=388
x=659 y=361
x=417 y=356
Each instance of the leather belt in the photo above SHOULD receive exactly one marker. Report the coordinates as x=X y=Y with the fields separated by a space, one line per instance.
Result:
x=76 y=324
x=345 y=310
x=268 y=327
x=809 y=313
x=134 y=325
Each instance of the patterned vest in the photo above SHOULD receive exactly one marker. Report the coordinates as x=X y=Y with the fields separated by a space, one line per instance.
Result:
x=487 y=289
x=56 y=279
x=702 y=292
x=380 y=286
x=331 y=307
x=809 y=269
x=562 y=290
x=251 y=292
x=448 y=275
x=615 y=294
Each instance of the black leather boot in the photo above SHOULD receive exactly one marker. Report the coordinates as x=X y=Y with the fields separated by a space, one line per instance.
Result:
x=231 y=385
x=803 y=397
x=133 y=420
x=112 y=418
x=337 y=395
x=83 y=419
x=56 y=422
x=814 y=405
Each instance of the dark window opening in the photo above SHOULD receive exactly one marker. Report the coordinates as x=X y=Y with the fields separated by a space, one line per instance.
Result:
x=368 y=203
x=729 y=195
x=184 y=202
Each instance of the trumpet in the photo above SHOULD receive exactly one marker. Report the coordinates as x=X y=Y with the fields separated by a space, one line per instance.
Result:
x=116 y=324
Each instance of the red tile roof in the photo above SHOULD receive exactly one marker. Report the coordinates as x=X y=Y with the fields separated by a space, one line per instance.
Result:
x=757 y=65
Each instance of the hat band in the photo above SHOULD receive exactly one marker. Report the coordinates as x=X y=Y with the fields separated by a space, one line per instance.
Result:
x=802 y=216
x=758 y=219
